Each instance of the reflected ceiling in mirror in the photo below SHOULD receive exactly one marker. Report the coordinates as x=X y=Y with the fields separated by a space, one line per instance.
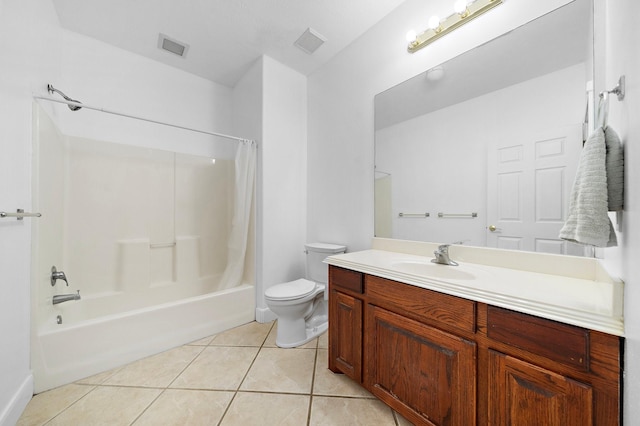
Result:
x=442 y=143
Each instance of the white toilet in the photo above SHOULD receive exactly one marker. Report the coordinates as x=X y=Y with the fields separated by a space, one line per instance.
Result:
x=301 y=305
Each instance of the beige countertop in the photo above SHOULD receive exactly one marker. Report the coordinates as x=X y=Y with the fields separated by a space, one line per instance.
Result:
x=571 y=290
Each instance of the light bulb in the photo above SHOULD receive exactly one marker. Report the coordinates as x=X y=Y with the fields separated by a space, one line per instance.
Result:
x=434 y=22
x=411 y=36
x=460 y=7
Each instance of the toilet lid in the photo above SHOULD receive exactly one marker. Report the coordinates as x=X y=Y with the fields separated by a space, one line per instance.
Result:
x=291 y=290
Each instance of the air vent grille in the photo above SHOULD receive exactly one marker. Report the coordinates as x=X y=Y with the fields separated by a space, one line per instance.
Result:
x=173 y=46
x=310 y=41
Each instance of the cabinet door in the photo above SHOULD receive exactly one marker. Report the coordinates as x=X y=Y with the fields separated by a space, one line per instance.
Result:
x=345 y=335
x=427 y=375
x=523 y=394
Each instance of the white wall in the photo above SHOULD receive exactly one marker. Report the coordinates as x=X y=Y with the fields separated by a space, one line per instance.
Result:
x=283 y=172
x=270 y=103
x=36 y=51
x=622 y=39
x=341 y=114
x=20 y=48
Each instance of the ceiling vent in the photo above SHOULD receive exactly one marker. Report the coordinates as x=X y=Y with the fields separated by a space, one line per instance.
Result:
x=310 y=41
x=172 y=45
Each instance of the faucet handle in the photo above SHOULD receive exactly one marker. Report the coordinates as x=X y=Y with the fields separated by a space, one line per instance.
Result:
x=57 y=275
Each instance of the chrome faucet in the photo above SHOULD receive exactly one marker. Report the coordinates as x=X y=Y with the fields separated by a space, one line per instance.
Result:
x=60 y=298
x=442 y=255
x=57 y=275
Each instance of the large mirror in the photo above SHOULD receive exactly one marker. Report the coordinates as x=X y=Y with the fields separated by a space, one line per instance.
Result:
x=484 y=148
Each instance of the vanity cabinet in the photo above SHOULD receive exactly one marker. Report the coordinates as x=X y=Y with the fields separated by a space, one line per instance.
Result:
x=438 y=359
x=345 y=307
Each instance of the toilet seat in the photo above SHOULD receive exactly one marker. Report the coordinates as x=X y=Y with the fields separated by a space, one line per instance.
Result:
x=291 y=290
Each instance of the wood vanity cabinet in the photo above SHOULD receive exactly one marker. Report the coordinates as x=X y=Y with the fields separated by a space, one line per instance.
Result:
x=443 y=360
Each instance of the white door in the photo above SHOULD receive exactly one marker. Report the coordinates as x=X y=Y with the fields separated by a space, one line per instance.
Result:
x=529 y=182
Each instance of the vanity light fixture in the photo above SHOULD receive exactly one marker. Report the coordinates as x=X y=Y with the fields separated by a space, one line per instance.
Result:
x=464 y=12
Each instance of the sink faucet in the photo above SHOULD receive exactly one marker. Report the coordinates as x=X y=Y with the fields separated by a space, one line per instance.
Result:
x=442 y=255
x=60 y=298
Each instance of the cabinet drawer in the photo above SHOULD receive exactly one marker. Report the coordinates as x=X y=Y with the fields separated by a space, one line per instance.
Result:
x=422 y=304
x=559 y=342
x=346 y=279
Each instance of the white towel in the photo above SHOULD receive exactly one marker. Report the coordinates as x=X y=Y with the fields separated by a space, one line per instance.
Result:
x=588 y=221
x=615 y=170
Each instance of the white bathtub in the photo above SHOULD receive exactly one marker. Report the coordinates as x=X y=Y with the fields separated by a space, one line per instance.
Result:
x=63 y=353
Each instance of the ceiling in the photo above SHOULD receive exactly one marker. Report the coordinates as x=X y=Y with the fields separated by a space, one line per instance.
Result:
x=225 y=37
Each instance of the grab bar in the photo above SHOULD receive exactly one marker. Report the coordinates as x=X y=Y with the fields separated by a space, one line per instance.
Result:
x=413 y=215
x=19 y=214
x=458 y=214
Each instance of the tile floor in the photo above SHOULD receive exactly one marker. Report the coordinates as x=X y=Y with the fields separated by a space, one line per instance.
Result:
x=239 y=377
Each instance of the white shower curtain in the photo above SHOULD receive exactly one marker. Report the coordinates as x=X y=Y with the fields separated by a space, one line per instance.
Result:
x=245 y=169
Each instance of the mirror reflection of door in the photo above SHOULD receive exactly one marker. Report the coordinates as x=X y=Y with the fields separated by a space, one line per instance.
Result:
x=529 y=180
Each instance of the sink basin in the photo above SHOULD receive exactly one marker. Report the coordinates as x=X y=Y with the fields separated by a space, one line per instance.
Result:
x=429 y=269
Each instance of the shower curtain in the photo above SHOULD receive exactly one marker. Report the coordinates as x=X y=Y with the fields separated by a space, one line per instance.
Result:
x=245 y=167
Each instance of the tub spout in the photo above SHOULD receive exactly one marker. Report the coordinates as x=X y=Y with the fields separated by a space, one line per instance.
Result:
x=60 y=298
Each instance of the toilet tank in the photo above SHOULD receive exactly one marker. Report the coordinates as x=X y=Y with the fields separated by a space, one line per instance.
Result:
x=316 y=254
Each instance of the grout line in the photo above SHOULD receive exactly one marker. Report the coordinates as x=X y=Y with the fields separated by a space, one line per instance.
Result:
x=235 y=393
x=188 y=364
x=72 y=404
x=147 y=407
x=313 y=382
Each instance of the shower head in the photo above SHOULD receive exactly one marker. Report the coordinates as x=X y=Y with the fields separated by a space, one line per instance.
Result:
x=52 y=89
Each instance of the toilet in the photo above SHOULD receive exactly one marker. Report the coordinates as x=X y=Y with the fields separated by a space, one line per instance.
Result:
x=301 y=305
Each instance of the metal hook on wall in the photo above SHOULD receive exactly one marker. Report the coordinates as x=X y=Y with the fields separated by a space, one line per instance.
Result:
x=603 y=104
x=619 y=90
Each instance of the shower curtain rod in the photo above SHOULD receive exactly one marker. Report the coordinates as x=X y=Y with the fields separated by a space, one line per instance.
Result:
x=78 y=104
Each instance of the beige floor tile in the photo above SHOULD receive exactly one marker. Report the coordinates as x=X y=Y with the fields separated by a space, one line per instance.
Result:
x=203 y=342
x=46 y=405
x=335 y=411
x=329 y=383
x=259 y=409
x=323 y=341
x=107 y=405
x=281 y=370
x=221 y=368
x=97 y=379
x=155 y=371
x=251 y=334
x=271 y=340
x=186 y=407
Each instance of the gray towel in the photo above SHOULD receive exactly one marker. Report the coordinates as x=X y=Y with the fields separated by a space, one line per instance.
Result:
x=615 y=170
x=588 y=221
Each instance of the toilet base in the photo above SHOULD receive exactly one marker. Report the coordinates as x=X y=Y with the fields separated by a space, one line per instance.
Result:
x=313 y=329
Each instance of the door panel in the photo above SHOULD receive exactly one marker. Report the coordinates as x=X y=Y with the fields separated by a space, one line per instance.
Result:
x=529 y=182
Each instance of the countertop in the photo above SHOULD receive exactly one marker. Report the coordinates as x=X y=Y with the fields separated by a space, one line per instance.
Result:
x=571 y=290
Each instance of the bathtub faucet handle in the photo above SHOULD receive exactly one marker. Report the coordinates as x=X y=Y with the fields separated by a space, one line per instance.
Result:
x=57 y=275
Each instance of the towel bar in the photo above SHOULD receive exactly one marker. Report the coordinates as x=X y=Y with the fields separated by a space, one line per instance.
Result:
x=458 y=214
x=413 y=215
x=19 y=214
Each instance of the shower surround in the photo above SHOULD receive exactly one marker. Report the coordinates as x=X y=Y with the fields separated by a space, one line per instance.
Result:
x=143 y=234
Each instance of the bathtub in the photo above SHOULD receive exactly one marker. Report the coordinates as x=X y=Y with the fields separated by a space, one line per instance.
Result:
x=63 y=353
x=141 y=227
